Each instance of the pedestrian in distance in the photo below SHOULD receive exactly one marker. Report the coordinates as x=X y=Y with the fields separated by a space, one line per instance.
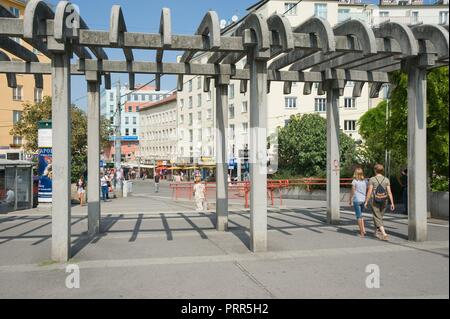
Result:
x=200 y=195
x=81 y=190
x=104 y=186
x=157 y=180
x=358 y=198
x=378 y=194
x=403 y=180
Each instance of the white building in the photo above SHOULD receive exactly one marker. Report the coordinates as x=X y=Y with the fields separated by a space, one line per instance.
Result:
x=196 y=109
x=131 y=101
x=158 y=132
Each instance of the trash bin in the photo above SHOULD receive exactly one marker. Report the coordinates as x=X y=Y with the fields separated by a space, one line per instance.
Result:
x=127 y=188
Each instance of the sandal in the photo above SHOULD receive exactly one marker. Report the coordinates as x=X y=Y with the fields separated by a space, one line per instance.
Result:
x=379 y=235
x=385 y=238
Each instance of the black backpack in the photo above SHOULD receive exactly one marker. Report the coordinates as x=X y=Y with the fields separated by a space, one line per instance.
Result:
x=380 y=195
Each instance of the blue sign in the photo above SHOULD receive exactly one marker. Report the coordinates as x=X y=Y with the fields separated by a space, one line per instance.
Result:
x=45 y=173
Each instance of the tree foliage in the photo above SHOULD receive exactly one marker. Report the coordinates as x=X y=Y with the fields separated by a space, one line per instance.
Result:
x=377 y=137
x=303 y=147
x=27 y=127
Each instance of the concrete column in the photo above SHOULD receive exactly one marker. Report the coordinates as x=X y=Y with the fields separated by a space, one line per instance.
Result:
x=333 y=155
x=221 y=157
x=93 y=189
x=61 y=120
x=258 y=153
x=417 y=154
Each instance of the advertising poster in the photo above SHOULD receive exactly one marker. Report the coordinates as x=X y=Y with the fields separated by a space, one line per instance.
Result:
x=45 y=175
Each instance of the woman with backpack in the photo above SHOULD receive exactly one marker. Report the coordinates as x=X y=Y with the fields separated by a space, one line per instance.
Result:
x=379 y=191
x=358 y=198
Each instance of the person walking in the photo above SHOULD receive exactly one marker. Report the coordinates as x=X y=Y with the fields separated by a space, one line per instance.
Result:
x=104 y=186
x=378 y=194
x=81 y=190
x=358 y=198
x=157 y=180
x=200 y=195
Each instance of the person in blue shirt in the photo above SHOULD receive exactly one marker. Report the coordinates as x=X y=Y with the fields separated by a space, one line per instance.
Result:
x=358 y=198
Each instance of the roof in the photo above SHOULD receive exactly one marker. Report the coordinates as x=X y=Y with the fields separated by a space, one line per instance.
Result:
x=165 y=101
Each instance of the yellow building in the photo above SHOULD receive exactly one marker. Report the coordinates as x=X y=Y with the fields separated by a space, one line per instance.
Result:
x=12 y=100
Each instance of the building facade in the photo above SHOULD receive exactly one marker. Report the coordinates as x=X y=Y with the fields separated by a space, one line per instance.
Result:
x=12 y=100
x=196 y=108
x=158 y=139
x=130 y=101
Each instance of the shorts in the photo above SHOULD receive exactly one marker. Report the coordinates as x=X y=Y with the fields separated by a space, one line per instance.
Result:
x=359 y=208
x=81 y=191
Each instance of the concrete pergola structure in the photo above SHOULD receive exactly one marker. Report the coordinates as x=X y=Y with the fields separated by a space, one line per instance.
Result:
x=313 y=52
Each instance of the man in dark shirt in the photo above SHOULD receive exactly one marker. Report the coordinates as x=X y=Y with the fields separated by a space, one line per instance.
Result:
x=157 y=178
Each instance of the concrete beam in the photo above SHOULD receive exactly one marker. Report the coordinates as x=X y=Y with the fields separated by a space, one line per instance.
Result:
x=93 y=189
x=258 y=153
x=221 y=157
x=417 y=154
x=333 y=154
x=61 y=118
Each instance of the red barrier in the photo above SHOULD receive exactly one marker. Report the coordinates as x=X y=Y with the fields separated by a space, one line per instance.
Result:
x=237 y=190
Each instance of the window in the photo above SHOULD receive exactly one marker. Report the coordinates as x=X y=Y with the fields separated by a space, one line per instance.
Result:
x=17 y=140
x=135 y=97
x=111 y=96
x=209 y=114
x=384 y=13
x=199 y=83
x=130 y=109
x=231 y=91
x=127 y=120
x=199 y=116
x=127 y=132
x=190 y=86
x=190 y=102
x=350 y=84
x=343 y=14
x=320 y=105
x=350 y=126
x=349 y=103
x=135 y=132
x=231 y=111
x=290 y=8
x=190 y=119
x=320 y=10
x=443 y=17
x=290 y=102
x=245 y=107
x=244 y=128
x=17 y=115
x=232 y=131
x=199 y=100
x=414 y=17
x=181 y=119
x=111 y=120
x=191 y=136
x=134 y=120
x=15 y=11
x=181 y=103
x=37 y=95
x=138 y=108
x=17 y=93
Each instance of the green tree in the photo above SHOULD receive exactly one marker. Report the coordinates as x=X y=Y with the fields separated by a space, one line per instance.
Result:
x=377 y=137
x=303 y=147
x=27 y=127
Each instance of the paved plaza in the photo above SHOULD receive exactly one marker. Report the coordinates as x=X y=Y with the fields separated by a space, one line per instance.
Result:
x=152 y=247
